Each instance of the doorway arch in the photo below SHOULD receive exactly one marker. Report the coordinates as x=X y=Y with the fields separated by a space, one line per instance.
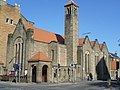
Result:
x=44 y=73
x=34 y=74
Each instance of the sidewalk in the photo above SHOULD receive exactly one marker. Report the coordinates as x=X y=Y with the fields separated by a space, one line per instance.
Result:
x=41 y=84
x=17 y=84
x=97 y=83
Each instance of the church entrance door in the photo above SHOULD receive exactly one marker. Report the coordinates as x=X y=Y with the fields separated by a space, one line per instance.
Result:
x=44 y=73
x=34 y=74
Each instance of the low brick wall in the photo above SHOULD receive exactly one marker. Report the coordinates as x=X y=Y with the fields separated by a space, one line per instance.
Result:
x=4 y=78
x=12 y=78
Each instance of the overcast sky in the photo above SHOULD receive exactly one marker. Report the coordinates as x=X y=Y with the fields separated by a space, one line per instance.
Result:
x=100 y=17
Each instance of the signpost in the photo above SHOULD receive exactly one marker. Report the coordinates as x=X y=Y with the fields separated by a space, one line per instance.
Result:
x=58 y=66
x=73 y=66
x=56 y=72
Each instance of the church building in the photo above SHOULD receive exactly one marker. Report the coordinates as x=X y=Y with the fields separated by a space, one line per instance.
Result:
x=50 y=57
x=9 y=16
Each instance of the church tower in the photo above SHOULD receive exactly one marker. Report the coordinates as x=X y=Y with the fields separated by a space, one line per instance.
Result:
x=71 y=31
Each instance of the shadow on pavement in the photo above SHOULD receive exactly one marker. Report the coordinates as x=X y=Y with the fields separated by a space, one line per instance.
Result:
x=114 y=84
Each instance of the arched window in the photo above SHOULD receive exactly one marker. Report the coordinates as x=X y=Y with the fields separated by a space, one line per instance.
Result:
x=22 y=55
x=68 y=10
x=15 y=53
x=52 y=55
x=87 y=62
x=96 y=58
x=11 y=21
x=75 y=11
x=18 y=51
x=105 y=59
x=7 y=20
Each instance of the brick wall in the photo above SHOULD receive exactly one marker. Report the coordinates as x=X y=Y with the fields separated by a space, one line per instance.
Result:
x=12 y=13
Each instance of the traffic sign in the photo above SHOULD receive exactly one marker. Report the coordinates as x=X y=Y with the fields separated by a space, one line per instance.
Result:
x=72 y=65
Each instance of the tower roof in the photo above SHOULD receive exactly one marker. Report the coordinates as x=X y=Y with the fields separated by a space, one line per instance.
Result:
x=71 y=2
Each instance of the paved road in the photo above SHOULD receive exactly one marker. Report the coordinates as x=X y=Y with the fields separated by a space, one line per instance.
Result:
x=82 y=85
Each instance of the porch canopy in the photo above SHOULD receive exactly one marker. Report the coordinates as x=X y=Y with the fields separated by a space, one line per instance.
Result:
x=39 y=57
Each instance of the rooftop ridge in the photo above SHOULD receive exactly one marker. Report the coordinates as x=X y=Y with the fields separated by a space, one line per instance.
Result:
x=71 y=2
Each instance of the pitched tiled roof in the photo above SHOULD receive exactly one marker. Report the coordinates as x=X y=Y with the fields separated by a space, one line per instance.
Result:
x=92 y=43
x=81 y=40
x=114 y=55
x=101 y=45
x=40 y=57
x=45 y=36
x=71 y=3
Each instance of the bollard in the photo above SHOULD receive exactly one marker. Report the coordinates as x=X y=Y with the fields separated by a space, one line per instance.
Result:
x=109 y=82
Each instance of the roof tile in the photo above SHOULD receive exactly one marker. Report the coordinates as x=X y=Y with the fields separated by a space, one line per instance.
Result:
x=92 y=43
x=81 y=40
x=101 y=45
x=40 y=57
x=45 y=36
x=71 y=3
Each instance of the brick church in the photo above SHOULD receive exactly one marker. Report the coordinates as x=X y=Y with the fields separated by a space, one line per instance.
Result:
x=50 y=57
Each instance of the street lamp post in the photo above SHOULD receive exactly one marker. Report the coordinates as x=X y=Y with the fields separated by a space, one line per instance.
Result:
x=73 y=72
